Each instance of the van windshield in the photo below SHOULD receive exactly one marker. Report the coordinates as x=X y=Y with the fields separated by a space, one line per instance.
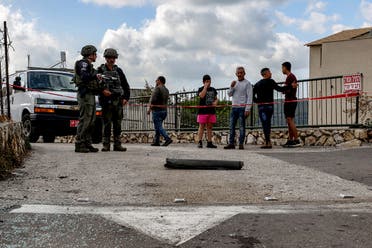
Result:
x=42 y=80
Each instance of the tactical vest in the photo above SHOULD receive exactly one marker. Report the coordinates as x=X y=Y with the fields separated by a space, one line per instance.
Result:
x=93 y=85
x=111 y=81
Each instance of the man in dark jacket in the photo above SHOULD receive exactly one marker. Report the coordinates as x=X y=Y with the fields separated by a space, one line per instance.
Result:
x=115 y=95
x=263 y=95
x=158 y=107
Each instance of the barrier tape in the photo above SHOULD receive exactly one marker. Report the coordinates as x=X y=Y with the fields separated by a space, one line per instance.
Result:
x=344 y=95
x=338 y=96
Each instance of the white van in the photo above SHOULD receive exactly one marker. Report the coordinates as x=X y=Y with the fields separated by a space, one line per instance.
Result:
x=46 y=104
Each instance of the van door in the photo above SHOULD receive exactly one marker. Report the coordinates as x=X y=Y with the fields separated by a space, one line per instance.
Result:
x=19 y=99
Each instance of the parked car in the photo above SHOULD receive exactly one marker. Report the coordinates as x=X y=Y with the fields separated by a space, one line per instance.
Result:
x=46 y=104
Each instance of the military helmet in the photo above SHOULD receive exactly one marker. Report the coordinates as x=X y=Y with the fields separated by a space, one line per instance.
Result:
x=110 y=52
x=88 y=50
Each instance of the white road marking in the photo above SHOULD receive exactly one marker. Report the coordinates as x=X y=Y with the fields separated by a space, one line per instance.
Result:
x=177 y=225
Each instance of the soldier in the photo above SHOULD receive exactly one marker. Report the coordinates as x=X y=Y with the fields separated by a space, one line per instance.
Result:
x=87 y=81
x=17 y=83
x=115 y=95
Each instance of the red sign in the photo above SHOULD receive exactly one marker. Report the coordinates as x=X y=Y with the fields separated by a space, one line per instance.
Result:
x=352 y=83
x=74 y=123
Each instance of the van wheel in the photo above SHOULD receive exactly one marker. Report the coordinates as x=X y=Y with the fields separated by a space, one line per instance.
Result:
x=49 y=138
x=28 y=130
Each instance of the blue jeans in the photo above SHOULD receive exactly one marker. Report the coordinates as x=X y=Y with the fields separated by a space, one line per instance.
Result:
x=237 y=114
x=158 y=117
x=266 y=113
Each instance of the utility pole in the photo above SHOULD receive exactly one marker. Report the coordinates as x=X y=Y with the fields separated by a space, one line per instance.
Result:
x=7 y=67
x=28 y=61
x=1 y=92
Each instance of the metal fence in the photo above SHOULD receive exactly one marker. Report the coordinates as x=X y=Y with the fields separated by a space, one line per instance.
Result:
x=182 y=115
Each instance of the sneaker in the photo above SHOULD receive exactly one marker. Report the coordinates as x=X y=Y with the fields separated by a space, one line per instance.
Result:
x=289 y=143
x=229 y=147
x=200 y=145
x=119 y=148
x=295 y=143
x=241 y=147
x=167 y=142
x=210 y=145
x=92 y=149
x=155 y=144
x=106 y=148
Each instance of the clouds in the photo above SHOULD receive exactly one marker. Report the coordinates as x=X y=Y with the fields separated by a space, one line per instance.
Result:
x=117 y=3
x=316 y=21
x=186 y=40
x=317 y=6
x=366 y=10
x=27 y=39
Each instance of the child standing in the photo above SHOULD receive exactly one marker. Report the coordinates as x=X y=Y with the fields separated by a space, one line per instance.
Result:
x=207 y=112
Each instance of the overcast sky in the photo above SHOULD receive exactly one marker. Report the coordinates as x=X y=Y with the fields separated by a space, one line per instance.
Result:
x=180 y=39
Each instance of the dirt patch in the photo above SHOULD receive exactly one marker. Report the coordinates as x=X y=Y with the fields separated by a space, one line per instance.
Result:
x=8 y=162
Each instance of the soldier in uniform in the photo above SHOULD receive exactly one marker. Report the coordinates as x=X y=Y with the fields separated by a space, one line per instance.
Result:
x=115 y=95
x=86 y=79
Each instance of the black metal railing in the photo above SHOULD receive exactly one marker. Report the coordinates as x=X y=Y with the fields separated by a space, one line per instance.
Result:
x=182 y=112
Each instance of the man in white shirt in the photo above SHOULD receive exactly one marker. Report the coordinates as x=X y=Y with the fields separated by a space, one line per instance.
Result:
x=241 y=93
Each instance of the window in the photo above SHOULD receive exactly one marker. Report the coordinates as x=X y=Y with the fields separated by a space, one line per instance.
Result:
x=55 y=81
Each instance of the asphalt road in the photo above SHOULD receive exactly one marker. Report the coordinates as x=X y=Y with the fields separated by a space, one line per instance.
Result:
x=64 y=199
x=353 y=164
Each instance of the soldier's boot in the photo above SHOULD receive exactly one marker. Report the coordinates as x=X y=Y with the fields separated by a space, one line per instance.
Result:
x=81 y=148
x=106 y=147
x=119 y=148
x=91 y=148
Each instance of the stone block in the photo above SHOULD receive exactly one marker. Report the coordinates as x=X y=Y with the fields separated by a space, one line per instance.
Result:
x=251 y=140
x=350 y=144
x=260 y=141
x=330 y=142
x=278 y=142
x=326 y=132
x=361 y=134
x=310 y=141
x=338 y=138
x=318 y=134
x=321 y=141
x=348 y=136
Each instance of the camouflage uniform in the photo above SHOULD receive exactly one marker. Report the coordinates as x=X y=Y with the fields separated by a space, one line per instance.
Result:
x=112 y=106
x=86 y=80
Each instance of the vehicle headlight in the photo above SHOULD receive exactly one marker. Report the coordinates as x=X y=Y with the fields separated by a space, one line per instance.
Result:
x=44 y=101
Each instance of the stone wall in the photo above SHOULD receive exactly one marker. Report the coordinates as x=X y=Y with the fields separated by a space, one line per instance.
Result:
x=12 y=146
x=309 y=137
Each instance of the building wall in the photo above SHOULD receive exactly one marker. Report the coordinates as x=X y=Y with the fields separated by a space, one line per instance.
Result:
x=333 y=59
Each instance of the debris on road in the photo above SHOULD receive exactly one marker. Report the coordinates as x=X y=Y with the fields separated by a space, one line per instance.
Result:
x=343 y=196
x=197 y=164
x=270 y=198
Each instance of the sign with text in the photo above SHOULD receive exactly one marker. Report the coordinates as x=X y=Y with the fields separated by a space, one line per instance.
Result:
x=352 y=82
